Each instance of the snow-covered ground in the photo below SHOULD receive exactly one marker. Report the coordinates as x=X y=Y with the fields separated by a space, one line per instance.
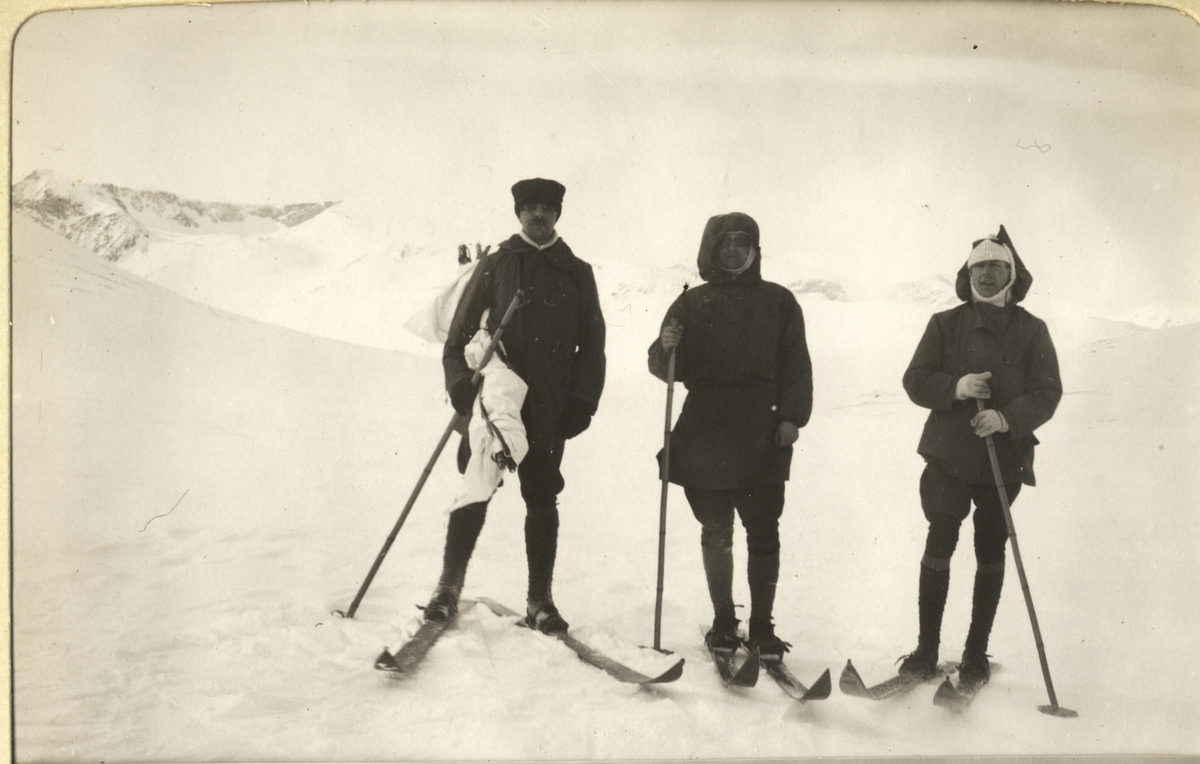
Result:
x=196 y=491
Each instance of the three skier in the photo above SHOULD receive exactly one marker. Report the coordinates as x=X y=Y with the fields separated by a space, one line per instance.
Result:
x=739 y=347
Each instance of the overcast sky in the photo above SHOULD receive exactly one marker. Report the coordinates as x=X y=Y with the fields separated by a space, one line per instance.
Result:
x=862 y=136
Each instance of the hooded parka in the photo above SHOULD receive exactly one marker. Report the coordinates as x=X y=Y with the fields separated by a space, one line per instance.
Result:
x=974 y=338
x=554 y=341
x=744 y=361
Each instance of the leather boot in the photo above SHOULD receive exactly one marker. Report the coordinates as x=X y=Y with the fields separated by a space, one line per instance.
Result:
x=762 y=573
x=932 y=588
x=541 y=549
x=989 y=580
x=718 y=571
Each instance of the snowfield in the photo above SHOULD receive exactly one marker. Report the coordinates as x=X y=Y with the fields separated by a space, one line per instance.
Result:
x=196 y=491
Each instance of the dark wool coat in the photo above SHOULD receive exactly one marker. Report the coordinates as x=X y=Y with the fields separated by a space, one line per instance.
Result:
x=554 y=341
x=744 y=361
x=1015 y=347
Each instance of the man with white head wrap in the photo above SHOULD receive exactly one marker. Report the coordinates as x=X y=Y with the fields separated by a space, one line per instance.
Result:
x=991 y=349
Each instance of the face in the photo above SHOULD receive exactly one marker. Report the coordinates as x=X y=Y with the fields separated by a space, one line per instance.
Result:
x=989 y=277
x=537 y=221
x=733 y=250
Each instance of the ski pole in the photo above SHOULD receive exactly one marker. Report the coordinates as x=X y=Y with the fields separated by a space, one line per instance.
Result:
x=455 y=420
x=662 y=512
x=1053 y=709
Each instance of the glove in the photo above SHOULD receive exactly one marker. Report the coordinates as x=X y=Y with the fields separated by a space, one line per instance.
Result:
x=576 y=418
x=973 y=386
x=786 y=434
x=989 y=421
x=671 y=335
x=462 y=396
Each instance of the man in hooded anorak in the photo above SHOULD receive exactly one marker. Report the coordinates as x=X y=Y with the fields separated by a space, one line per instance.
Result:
x=991 y=349
x=741 y=353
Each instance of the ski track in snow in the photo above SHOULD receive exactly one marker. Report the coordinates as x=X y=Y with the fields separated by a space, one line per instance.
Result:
x=207 y=634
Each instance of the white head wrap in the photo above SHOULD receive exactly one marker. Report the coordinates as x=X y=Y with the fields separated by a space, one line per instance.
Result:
x=987 y=250
x=990 y=249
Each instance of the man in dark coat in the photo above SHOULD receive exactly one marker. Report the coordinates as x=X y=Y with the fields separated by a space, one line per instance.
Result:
x=555 y=343
x=741 y=353
x=991 y=349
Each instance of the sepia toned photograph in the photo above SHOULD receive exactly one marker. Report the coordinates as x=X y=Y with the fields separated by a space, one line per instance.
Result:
x=410 y=380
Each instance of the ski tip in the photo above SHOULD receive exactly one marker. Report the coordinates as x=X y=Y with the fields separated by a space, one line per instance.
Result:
x=386 y=662
x=820 y=689
x=747 y=673
x=946 y=695
x=670 y=675
x=850 y=682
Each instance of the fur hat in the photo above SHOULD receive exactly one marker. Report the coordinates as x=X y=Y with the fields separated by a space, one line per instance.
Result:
x=538 y=191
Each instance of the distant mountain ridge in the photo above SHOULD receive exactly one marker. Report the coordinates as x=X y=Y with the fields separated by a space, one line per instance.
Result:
x=347 y=275
x=114 y=221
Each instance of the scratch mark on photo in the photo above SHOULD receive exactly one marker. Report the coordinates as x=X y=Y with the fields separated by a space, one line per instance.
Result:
x=169 y=511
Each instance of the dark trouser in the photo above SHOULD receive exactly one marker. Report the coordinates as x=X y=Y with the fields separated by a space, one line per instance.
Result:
x=541 y=482
x=946 y=502
x=759 y=509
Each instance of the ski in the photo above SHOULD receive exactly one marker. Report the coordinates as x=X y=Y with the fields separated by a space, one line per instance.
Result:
x=592 y=656
x=956 y=698
x=783 y=677
x=405 y=660
x=732 y=674
x=852 y=684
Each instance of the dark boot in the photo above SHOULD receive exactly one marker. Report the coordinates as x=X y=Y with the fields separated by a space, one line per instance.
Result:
x=724 y=634
x=989 y=580
x=544 y=617
x=933 y=586
x=462 y=531
x=541 y=549
x=444 y=604
x=718 y=571
x=762 y=573
x=763 y=639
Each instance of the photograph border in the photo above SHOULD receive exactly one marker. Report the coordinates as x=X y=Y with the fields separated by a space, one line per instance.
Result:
x=13 y=15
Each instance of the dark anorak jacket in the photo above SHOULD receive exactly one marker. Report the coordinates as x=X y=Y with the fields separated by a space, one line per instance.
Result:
x=744 y=361
x=554 y=341
x=973 y=338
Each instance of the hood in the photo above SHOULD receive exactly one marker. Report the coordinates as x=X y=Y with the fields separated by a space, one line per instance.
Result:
x=717 y=226
x=1022 y=277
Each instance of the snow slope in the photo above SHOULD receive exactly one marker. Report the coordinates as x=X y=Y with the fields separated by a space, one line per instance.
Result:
x=195 y=492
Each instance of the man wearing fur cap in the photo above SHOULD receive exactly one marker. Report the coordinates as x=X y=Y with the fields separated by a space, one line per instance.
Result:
x=988 y=348
x=555 y=343
x=741 y=353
